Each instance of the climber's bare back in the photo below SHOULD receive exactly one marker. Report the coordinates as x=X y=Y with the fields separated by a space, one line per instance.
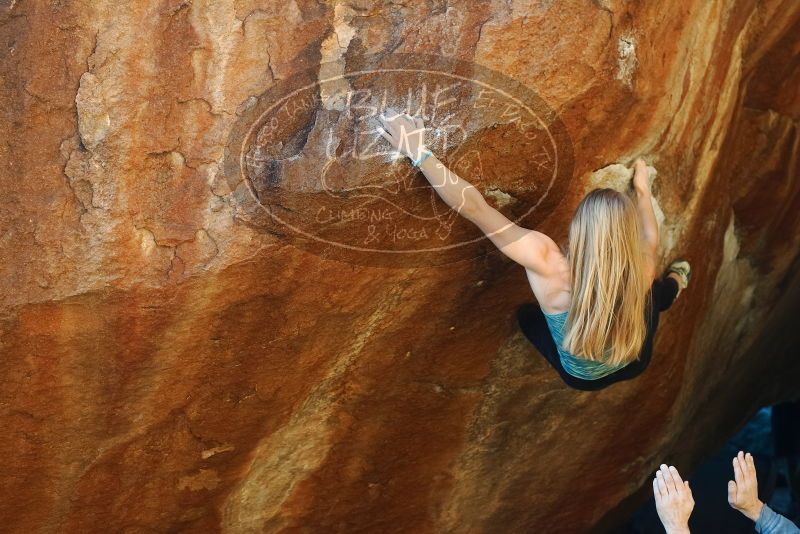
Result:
x=552 y=286
x=545 y=265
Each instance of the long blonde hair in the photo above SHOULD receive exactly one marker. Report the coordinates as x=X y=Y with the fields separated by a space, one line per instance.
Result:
x=609 y=285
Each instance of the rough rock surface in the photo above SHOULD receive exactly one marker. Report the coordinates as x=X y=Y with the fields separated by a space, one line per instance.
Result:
x=170 y=365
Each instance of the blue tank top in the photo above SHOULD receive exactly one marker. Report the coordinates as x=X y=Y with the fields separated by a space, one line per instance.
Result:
x=577 y=367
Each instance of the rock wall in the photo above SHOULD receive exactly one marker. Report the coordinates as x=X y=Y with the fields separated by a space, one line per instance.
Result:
x=172 y=362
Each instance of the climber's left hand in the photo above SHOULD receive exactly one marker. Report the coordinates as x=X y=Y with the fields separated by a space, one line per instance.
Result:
x=405 y=133
x=641 y=177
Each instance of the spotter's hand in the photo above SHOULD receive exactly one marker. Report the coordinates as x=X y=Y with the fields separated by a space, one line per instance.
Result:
x=743 y=492
x=674 y=502
x=406 y=134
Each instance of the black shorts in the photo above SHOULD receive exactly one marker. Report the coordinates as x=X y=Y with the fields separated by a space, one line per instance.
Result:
x=534 y=325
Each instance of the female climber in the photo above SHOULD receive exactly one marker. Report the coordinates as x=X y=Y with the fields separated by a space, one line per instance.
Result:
x=599 y=298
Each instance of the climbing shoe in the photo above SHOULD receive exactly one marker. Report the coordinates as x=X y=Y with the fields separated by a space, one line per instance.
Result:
x=682 y=269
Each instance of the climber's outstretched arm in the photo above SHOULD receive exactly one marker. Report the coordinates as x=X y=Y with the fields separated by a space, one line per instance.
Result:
x=527 y=247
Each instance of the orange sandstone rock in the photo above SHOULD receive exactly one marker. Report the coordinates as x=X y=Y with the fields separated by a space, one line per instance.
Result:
x=174 y=358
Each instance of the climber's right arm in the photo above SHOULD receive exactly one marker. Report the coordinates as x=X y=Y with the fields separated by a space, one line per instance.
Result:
x=527 y=247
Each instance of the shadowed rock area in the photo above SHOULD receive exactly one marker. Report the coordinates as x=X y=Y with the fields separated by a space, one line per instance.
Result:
x=175 y=358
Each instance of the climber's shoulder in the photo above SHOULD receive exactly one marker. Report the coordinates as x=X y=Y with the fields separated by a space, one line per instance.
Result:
x=543 y=254
x=553 y=262
x=527 y=247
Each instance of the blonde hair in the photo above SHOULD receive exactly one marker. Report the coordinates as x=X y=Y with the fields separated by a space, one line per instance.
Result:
x=609 y=285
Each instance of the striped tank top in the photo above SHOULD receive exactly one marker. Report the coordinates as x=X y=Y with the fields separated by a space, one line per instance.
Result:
x=577 y=367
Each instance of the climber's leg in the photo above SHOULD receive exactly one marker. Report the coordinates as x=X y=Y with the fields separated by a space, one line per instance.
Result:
x=681 y=272
x=674 y=276
x=665 y=291
x=533 y=324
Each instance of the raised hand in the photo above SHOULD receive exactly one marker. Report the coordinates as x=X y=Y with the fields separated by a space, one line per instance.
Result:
x=406 y=134
x=674 y=501
x=743 y=493
x=641 y=180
